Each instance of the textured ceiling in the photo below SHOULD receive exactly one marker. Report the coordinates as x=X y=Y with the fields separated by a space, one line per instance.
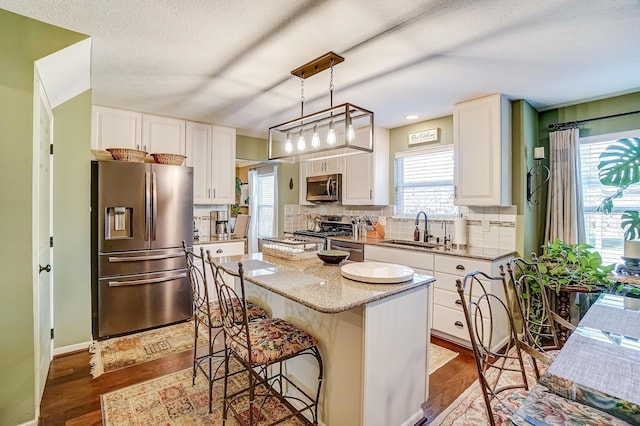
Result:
x=229 y=61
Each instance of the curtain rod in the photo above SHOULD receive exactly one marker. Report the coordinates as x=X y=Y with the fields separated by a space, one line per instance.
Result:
x=577 y=123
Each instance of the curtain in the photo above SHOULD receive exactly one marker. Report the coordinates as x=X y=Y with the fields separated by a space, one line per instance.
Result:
x=565 y=216
x=252 y=235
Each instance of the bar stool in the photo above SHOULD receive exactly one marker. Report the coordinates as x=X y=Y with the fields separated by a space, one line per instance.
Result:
x=262 y=348
x=206 y=313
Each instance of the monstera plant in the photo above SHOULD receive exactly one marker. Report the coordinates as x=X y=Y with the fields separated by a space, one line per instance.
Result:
x=619 y=166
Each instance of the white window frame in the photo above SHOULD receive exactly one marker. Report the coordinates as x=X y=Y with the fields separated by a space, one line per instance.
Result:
x=418 y=152
x=590 y=214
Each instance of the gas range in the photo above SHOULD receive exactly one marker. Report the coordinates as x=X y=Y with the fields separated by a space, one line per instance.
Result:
x=327 y=229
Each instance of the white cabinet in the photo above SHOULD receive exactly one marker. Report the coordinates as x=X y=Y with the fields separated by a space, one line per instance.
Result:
x=482 y=151
x=448 y=316
x=325 y=167
x=365 y=179
x=420 y=262
x=163 y=134
x=211 y=151
x=217 y=250
x=302 y=192
x=115 y=128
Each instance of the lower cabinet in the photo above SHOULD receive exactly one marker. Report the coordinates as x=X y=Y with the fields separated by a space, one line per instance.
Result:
x=217 y=250
x=448 y=316
x=420 y=262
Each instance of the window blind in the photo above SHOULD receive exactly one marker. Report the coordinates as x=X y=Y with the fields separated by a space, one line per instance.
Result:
x=603 y=231
x=424 y=181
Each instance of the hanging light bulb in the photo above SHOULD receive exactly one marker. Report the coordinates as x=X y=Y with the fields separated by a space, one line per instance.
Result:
x=288 y=146
x=351 y=135
x=315 y=139
x=302 y=144
x=331 y=136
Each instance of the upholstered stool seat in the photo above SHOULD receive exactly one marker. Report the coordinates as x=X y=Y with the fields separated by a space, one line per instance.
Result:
x=213 y=318
x=271 y=340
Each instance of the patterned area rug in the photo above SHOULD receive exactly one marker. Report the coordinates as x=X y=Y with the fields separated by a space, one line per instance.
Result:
x=439 y=356
x=173 y=400
x=120 y=352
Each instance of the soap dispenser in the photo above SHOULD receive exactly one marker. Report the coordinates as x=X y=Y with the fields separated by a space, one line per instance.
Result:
x=416 y=234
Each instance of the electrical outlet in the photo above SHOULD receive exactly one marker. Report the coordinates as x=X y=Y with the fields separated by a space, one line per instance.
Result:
x=382 y=220
x=485 y=225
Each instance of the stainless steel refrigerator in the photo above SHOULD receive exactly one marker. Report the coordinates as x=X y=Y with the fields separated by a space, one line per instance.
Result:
x=140 y=214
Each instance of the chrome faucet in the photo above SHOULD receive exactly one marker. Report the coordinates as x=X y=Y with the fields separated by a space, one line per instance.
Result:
x=426 y=235
x=446 y=239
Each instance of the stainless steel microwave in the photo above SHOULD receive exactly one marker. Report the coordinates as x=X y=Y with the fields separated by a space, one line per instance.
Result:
x=325 y=188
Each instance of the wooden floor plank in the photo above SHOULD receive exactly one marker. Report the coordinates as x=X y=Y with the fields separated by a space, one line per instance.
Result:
x=72 y=397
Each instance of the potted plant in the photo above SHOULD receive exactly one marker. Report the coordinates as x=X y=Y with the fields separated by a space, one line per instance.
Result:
x=578 y=265
x=619 y=166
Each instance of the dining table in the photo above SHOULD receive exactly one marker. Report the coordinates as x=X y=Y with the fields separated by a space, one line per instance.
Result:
x=598 y=367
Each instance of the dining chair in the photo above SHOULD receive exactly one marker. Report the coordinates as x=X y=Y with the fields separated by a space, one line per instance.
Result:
x=262 y=348
x=501 y=371
x=206 y=314
x=539 y=332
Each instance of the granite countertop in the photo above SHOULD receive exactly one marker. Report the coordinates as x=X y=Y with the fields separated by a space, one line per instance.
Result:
x=481 y=253
x=621 y=277
x=315 y=284
x=215 y=240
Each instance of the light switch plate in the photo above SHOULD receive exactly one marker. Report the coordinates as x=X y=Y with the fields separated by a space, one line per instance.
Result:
x=485 y=226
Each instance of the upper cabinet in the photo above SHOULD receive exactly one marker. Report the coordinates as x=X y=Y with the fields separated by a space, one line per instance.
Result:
x=163 y=134
x=115 y=128
x=482 y=151
x=211 y=151
x=365 y=180
x=118 y=128
x=328 y=166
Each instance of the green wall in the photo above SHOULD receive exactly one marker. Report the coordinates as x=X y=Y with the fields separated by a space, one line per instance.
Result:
x=399 y=141
x=250 y=148
x=22 y=41
x=71 y=221
x=529 y=216
x=286 y=195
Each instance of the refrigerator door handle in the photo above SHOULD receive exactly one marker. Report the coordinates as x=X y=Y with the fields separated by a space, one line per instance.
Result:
x=147 y=206
x=114 y=259
x=147 y=281
x=154 y=209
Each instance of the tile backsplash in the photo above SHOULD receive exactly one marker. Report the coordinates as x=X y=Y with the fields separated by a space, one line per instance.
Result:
x=489 y=227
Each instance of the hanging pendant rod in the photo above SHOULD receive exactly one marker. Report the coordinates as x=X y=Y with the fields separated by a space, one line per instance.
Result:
x=577 y=123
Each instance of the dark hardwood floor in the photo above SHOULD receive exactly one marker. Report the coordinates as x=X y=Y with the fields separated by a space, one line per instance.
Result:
x=72 y=397
x=449 y=381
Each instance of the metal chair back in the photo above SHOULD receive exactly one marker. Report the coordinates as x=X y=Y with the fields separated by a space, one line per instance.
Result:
x=484 y=310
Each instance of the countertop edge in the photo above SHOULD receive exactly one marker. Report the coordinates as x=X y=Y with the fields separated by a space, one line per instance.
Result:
x=468 y=252
x=216 y=240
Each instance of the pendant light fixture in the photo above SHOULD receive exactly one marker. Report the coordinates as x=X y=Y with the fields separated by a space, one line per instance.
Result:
x=338 y=131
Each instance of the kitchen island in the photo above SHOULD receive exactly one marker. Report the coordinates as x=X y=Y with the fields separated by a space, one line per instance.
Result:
x=374 y=338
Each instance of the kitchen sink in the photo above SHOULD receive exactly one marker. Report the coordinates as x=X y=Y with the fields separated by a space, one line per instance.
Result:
x=409 y=243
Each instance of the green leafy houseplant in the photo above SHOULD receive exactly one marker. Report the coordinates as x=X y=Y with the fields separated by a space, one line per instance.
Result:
x=619 y=166
x=574 y=265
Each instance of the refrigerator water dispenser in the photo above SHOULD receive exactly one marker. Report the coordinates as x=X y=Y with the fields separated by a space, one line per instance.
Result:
x=118 y=223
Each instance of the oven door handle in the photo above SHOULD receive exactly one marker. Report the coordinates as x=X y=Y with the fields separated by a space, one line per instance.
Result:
x=147 y=281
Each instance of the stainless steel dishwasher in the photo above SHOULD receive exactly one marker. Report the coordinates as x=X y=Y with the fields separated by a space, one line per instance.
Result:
x=356 y=250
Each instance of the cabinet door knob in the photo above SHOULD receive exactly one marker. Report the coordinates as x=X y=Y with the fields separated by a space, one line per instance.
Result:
x=219 y=251
x=458 y=324
x=459 y=302
x=460 y=267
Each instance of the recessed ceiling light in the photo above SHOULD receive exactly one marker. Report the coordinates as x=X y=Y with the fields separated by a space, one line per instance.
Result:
x=411 y=117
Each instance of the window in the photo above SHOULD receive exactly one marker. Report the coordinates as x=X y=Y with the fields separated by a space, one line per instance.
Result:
x=424 y=181
x=603 y=231
x=266 y=204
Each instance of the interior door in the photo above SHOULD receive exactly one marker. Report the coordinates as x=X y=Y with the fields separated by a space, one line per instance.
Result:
x=43 y=299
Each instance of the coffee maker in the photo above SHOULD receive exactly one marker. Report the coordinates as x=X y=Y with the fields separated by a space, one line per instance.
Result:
x=219 y=223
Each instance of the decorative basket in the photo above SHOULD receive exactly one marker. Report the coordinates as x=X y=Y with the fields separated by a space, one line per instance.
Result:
x=172 y=159
x=127 y=154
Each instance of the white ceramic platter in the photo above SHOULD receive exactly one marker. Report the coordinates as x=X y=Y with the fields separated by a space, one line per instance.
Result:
x=377 y=272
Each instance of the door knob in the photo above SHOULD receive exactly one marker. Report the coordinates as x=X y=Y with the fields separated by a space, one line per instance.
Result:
x=45 y=268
